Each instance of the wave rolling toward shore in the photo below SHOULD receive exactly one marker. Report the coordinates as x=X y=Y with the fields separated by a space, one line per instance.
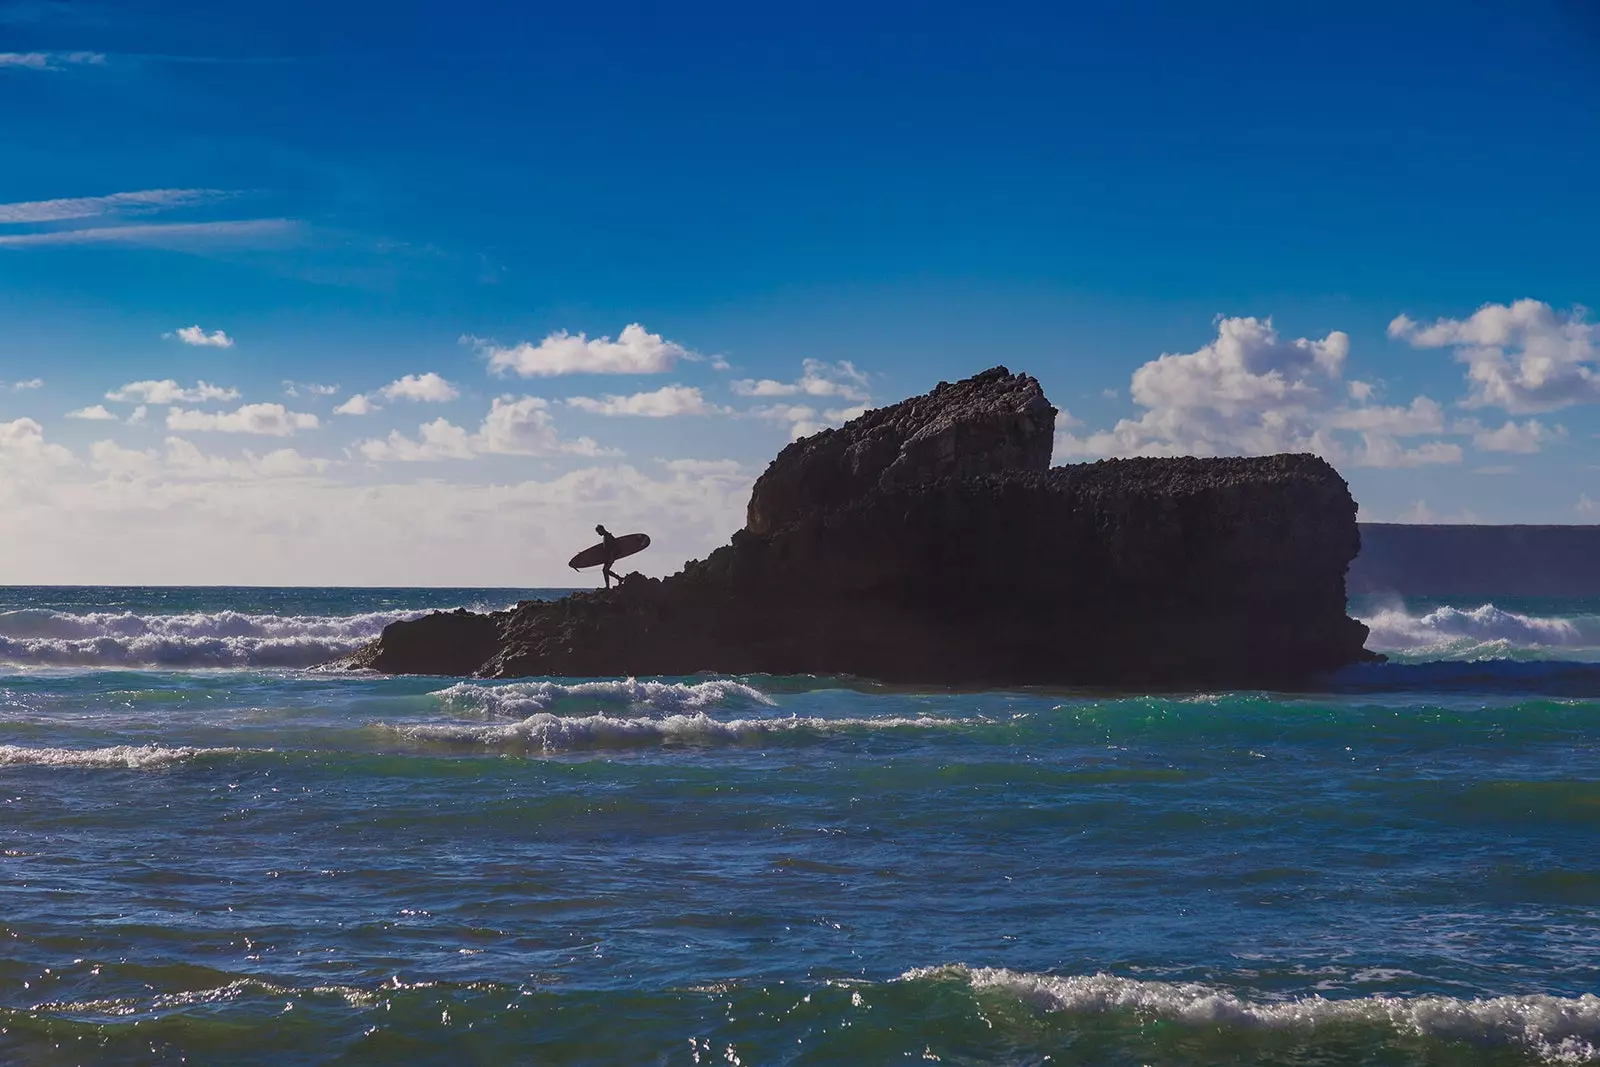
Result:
x=211 y=853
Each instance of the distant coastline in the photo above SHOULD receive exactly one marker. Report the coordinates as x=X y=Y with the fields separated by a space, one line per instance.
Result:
x=1476 y=560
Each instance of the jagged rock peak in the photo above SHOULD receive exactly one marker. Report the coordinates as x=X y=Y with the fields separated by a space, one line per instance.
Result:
x=991 y=422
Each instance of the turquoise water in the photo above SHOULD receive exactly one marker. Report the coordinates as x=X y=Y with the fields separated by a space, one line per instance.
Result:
x=211 y=854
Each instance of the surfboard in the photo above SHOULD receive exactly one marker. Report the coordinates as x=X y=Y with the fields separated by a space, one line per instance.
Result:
x=627 y=545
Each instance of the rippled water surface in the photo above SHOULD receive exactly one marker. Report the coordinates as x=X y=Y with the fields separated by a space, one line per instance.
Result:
x=232 y=859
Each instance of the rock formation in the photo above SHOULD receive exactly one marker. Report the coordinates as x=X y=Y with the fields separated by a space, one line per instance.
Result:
x=932 y=542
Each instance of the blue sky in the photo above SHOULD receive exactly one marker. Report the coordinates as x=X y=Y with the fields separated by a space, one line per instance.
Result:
x=1365 y=230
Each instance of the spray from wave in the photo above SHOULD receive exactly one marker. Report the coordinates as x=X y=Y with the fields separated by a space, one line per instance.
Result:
x=35 y=636
x=1483 y=632
x=1557 y=1029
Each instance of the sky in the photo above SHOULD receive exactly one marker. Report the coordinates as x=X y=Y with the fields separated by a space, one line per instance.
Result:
x=418 y=293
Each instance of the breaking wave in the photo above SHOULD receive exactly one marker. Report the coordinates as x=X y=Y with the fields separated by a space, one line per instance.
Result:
x=129 y=757
x=36 y=636
x=1556 y=1029
x=1483 y=632
x=526 y=698
x=557 y=733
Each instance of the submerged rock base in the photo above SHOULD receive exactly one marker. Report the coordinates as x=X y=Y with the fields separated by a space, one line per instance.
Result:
x=931 y=542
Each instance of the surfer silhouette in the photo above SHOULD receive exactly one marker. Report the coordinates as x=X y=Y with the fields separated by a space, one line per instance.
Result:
x=612 y=553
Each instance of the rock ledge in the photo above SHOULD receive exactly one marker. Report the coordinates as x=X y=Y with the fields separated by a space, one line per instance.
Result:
x=931 y=542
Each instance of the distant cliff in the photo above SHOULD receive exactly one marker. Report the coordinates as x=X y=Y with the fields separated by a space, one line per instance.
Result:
x=931 y=541
x=1415 y=560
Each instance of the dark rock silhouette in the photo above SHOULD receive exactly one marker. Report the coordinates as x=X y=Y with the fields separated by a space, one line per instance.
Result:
x=930 y=541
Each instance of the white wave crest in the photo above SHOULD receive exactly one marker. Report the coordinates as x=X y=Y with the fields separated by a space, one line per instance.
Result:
x=556 y=733
x=1485 y=630
x=198 y=639
x=525 y=698
x=1557 y=1029
x=130 y=757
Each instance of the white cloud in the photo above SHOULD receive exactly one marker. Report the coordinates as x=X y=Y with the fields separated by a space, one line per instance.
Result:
x=273 y=420
x=31 y=383
x=138 y=415
x=428 y=388
x=359 y=404
x=817 y=379
x=665 y=402
x=185 y=460
x=97 y=413
x=518 y=427
x=439 y=439
x=51 y=60
x=635 y=351
x=1528 y=436
x=175 y=235
x=1587 y=506
x=168 y=391
x=1524 y=357
x=1250 y=392
x=22 y=444
x=523 y=427
x=293 y=388
x=83 y=207
x=724 y=468
x=194 y=335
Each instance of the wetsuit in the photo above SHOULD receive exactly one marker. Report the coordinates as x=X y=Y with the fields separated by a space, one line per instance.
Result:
x=611 y=557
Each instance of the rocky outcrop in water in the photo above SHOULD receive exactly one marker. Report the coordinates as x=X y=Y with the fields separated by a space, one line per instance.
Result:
x=931 y=541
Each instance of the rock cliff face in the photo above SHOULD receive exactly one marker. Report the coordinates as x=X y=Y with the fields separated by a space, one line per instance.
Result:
x=932 y=542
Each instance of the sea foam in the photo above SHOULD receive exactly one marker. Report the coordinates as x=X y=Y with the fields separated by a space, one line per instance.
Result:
x=1482 y=632
x=526 y=698
x=559 y=733
x=129 y=757
x=1557 y=1029
x=199 y=639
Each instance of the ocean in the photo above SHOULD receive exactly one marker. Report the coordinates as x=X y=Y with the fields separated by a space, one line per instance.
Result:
x=212 y=853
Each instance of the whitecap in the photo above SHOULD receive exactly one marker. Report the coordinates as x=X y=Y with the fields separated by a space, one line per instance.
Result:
x=557 y=733
x=129 y=757
x=525 y=698
x=36 y=636
x=1557 y=1029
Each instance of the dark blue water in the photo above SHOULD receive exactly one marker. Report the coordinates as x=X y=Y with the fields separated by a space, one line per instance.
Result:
x=211 y=854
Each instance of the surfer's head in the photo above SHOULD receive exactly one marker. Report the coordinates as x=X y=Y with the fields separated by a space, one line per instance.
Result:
x=599 y=529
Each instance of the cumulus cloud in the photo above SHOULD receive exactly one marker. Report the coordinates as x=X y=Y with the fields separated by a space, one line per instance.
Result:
x=294 y=388
x=514 y=426
x=168 y=391
x=97 y=413
x=428 y=388
x=439 y=439
x=272 y=420
x=1529 y=436
x=1524 y=357
x=22 y=444
x=194 y=335
x=817 y=379
x=360 y=404
x=185 y=460
x=1587 y=505
x=665 y=402
x=635 y=351
x=1251 y=392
